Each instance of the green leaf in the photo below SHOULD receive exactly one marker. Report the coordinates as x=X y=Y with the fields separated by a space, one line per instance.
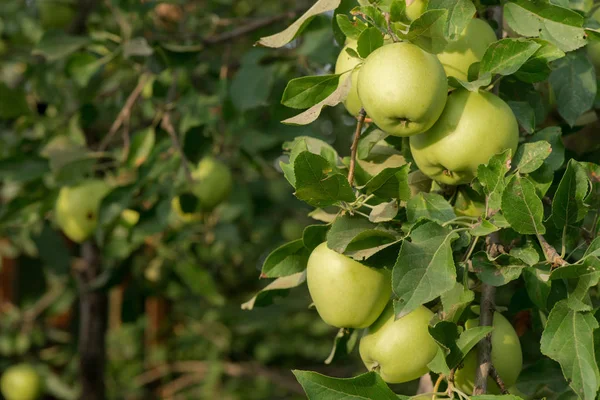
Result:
x=13 y=102
x=506 y=56
x=314 y=235
x=469 y=339
x=552 y=135
x=531 y=156
x=525 y=114
x=199 y=280
x=286 y=260
x=386 y=184
x=117 y=200
x=522 y=207
x=251 y=86
x=460 y=12
x=316 y=185
x=55 y=45
x=368 y=141
x=350 y=29
x=142 y=144
x=369 y=40
x=137 y=47
x=483 y=228
x=307 y=91
x=358 y=238
x=536 y=69
x=491 y=177
x=343 y=343
x=424 y=268
x=335 y=98
x=496 y=272
x=528 y=254
x=568 y=339
x=538 y=284
x=431 y=206
x=427 y=31
x=455 y=301
x=384 y=212
x=568 y=205
x=53 y=251
x=560 y=26
x=279 y=287
x=23 y=168
x=287 y=35
x=368 y=386
x=573 y=80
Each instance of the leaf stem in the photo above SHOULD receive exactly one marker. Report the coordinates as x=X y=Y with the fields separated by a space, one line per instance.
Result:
x=471 y=248
x=550 y=252
x=354 y=148
x=436 y=387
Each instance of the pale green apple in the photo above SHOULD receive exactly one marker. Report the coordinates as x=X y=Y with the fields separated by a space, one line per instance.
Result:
x=416 y=9
x=21 y=382
x=402 y=88
x=507 y=357
x=346 y=293
x=77 y=208
x=467 y=49
x=213 y=182
x=345 y=65
x=473 y=127
x=399 y=350
x=186 y=217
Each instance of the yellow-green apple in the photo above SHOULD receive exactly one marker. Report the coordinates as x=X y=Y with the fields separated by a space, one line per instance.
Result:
x=21 y=382
x=213 y=182
x=346 y=64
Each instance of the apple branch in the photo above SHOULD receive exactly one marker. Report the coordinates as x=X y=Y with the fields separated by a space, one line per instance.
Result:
x=494 y=374
x=354 y=148
x=484 y=347
x=550 y=253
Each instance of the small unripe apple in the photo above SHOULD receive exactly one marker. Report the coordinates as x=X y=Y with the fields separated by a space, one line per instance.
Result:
x=346 y=293
x=507 y=357
x=345 y=65
x=213 y=182
x=56 y=14
x=402 y=88
x=399 y=350
x=77 y=208
x=21 y=382
x=473 y=127
x=470 y=47
x=186 y=217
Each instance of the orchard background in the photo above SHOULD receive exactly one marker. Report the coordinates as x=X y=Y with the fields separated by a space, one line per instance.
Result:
x=168 y=118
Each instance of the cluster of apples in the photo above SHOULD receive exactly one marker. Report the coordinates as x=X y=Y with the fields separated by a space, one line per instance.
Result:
x=348 y=294
x=404 y=91
x=77 y=207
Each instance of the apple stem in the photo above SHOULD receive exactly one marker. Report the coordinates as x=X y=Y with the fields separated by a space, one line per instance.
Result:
x=354 y=148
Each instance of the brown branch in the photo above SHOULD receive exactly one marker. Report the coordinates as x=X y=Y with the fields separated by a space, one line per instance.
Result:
x=354 y=148
x=494 y=374
x=484 y=347
x=250 y=27
x=84 y=9
x=125 y=112
x=451 y=375
x=550 y=253
x=93 y=308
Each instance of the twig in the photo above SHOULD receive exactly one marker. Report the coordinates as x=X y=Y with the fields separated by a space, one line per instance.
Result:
x=494 y=374
x=250 y=27
x=550 y=253
x=39 y=307
x=354 y=148
x=84 y=9
x=436 y=387
x=388 y=22
x=484 y=347
x=125 y=112
x=451 y=382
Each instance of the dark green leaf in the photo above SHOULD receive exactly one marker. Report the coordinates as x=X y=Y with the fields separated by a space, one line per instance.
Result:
x=307 y=91
x=568 y=205
x=531 y=156
x=368 y=386
x=286 y=260
x=431 y=206
x=522 y=207
x=279 y=287
x=427 y=31
x=369 y=40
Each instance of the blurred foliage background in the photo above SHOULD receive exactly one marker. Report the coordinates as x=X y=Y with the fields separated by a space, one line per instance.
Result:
x=85 y=89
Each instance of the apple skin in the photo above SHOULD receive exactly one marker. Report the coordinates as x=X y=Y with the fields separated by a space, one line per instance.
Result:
x=56 y=14
x=188 y=217
x=77 y=208
x=345 y=65
x=473 y=127
x=507 y=357
x=213 y=182
x=346 y=293
x=470 y=47
x=402 y=88
x=399 y=350
x=414 y=11
x=21 y=382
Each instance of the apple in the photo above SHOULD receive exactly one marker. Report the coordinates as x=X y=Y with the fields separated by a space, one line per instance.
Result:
x=21 y=382
x=470 y=47
x=402 y=88
x=399 y=350
x=413 y=11
x=77 y=208
x=345 y=65
x=346 y=293
x=507 y=357
x=186 y=217
x=593 y=47
x=473 y=127
x=56 y=14
x=213 y=182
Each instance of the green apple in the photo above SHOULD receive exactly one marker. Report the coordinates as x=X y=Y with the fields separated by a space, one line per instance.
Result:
x=467 y=49
x=416 y=9
x=399 y=350
x=473 y=127
x=346 y=293
x=186 y=217
x=507 y=357
x=56 y=14
x=345 y=65
x=77 y=208
x=593 y=47
x=213 y=182
x=21 y=382
x=402 y=88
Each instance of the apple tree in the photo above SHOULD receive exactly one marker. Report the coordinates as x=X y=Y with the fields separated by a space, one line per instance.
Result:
x=456 y=240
